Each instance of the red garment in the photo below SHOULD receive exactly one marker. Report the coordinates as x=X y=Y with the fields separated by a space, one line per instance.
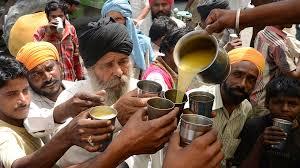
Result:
x=67 y=48
x=171 y=2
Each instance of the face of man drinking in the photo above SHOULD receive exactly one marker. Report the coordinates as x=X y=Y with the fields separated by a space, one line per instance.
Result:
x=111 y=73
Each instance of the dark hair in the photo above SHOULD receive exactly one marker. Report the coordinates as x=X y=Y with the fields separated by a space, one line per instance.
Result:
x=207 y=6
x=170 y=40
x=282 y=86
x=160 y=27
x=10 y=69
x=72 y=2
x=54 y=5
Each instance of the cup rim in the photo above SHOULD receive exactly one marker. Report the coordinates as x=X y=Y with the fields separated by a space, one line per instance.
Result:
x=171 y=108
x=283 y=121
x=111 y=108
x=153 y=82
x=202 y=93
x=196 y=115
x=195 y=34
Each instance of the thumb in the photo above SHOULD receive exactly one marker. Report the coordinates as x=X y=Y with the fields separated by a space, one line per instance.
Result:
x=101 y=93
x=85 y=114
x=174 y=142
x=140 y=114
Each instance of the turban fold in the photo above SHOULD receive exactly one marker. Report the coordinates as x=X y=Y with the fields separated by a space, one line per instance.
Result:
x=102 y=37
x=33 y=54
x=171 y=2
x=205 y=8
x=247 y=54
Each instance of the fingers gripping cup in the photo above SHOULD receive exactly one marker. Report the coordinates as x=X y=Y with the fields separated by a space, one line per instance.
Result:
x=104 y=113
x=286 y=126
x=193 y=126
x=201 y=103
x=148 y=87
x=157 y=107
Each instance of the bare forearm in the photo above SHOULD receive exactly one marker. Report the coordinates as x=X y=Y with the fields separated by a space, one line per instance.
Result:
x=59 y=114
x=144 y=13
x=46 y=156
x=271 y=14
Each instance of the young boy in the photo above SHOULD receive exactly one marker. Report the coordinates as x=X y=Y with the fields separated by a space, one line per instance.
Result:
x=283 y=101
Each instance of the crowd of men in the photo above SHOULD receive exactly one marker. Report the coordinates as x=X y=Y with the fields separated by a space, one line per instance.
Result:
x=48 y=87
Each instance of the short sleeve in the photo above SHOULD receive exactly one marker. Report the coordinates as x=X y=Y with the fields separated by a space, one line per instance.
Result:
x=284 y=60
x=10 y=149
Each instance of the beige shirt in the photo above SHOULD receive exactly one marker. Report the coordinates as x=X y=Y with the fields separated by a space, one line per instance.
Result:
x=229 y=127
x=15 y=143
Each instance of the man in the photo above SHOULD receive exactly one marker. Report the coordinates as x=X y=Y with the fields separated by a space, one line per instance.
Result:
x=66 y=41
x=278 y=50
x=231 y=105
x=283 y=101
x=164 y=8
x=105 y=48
x=159 y=28
x=224 y=38
x=44 y=75
x=20 y=149
x=268 y=14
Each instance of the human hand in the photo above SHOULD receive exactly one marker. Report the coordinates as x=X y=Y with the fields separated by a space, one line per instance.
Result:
x=79 y=102
x=204 y=151
x=273 y=135
x=51 y=27
x=138 y=22
x=235 y=43
x=141 y=136
x=128 y=104
x=87 y=133
x=219 y=19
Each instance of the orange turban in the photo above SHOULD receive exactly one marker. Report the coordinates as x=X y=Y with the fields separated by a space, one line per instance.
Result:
x=247 y=54
x=33 y=54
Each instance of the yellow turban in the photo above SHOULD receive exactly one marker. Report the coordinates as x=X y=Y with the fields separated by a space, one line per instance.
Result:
x=33 y=54
x=23 y=30
x=247 y=54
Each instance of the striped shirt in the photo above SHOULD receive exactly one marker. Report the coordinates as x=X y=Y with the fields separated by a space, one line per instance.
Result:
x=68 y=50
x=228 y=126
x=273 y=44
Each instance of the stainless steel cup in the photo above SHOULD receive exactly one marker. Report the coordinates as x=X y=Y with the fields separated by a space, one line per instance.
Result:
x=201 y=103
x=171 y=95
x=193 y=126
x=60 y=25
x=286 y=126
x=104 y=113
x=157 y=107
x=148 y=87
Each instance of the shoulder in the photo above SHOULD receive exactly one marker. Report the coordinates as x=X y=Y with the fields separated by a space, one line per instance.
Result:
x=7 y=135
x=179 y=23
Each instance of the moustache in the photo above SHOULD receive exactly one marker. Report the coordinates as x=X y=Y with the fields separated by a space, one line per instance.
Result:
x=241 y=90
x=22 y=106
x=116 y=81
x=49 y=82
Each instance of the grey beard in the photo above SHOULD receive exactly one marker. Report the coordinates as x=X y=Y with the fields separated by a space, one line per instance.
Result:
x=113 y=94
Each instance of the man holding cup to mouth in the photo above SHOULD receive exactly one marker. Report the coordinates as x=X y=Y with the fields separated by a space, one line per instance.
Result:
x=274 y=139
x=62 y=35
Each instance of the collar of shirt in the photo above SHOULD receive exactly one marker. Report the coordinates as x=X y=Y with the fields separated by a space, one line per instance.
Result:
x=279 y=32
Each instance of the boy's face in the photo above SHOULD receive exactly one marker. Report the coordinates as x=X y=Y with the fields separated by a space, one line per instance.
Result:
x=284 y=107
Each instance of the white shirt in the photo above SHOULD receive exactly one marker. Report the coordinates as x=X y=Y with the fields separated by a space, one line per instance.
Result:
x=228 y=126
x=76 y=154
x=40 y=121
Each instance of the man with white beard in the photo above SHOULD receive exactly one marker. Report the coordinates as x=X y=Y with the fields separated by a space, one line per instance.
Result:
x=105 y=49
